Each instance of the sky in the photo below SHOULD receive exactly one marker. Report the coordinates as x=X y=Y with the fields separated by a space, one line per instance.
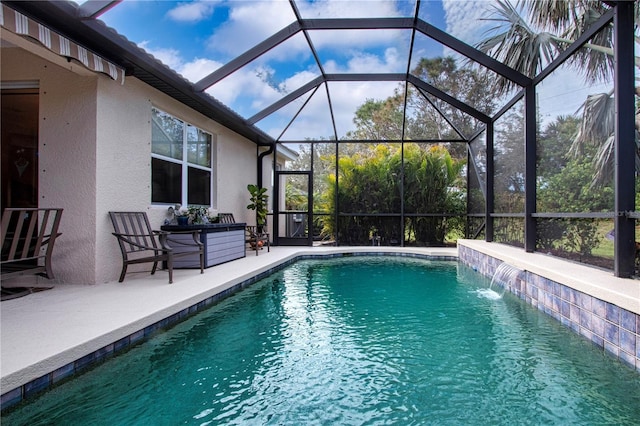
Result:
x=197 y=37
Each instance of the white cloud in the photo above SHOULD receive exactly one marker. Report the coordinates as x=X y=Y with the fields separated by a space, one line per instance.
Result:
x=193 y=70
x=348 y=9
x=249 y=23
x=464 y=19
x=192 y=12
x=169 y=57
x=198 y=69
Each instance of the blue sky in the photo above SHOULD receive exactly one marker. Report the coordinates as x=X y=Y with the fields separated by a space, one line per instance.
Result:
x=196 y=37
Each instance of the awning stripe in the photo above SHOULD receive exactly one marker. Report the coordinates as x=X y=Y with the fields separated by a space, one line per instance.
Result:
x=23 y=25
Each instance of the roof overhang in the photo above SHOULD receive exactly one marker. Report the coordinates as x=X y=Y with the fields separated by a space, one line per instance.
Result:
x=78 y=24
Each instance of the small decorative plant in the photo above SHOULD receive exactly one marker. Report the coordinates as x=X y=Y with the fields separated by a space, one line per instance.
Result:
x=197 y=214
x=180 y=215
x=212 y=216
x=179 y=211
x=258 y=199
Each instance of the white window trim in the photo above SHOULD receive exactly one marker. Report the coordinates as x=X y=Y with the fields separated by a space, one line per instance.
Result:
x=185 y=164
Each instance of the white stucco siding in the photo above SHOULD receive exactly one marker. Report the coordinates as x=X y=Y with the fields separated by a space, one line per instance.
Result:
x=237 y=167
x=124 y=162
x=67 y=157
x=95 y=156
x=123 y=166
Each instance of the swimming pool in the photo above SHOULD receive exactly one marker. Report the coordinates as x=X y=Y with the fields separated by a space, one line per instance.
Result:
x=358 y=340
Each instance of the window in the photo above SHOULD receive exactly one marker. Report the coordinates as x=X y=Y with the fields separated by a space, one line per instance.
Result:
x=181 y=158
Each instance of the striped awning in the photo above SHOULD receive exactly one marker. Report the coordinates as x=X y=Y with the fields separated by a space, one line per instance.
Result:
x=22 y=25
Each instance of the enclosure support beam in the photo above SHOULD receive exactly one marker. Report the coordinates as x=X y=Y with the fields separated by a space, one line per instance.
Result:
x=625 y=145
x=489 y=190
x=529 y=168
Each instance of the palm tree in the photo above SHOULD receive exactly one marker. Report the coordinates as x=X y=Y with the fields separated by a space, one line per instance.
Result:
x=516 y=43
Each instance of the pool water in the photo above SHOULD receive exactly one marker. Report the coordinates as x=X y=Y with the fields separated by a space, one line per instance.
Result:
x=354 y=341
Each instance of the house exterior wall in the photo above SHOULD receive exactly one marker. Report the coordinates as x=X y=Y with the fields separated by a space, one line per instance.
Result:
x=124 y=162
x=95 y=156
x=66 y=155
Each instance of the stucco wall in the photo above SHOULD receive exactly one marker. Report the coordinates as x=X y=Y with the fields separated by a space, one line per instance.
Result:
x=124 y=162
x=67 y=157
x=95 y=156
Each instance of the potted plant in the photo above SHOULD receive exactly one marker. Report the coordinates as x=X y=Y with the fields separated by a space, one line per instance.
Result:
x=181 y=214
x=197 y=214
x=258 y=198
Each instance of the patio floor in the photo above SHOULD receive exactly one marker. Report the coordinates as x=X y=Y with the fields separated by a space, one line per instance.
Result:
x=49 y=329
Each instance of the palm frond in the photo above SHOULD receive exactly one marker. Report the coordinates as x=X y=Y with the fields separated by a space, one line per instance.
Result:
x=555 y=15
x=604 y=162
x=597 y=122
x=516 y=44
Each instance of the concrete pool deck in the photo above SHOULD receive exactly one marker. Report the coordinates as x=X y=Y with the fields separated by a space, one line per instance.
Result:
x=46 y=331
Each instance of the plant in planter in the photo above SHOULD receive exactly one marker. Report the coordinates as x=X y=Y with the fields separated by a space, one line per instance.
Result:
x=258 y=199
x=181 y=214
x=197 y=214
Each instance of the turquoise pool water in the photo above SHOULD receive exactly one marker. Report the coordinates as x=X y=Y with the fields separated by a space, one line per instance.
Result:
x=354 y=341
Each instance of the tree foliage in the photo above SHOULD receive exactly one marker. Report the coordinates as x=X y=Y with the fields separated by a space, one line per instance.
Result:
x=370 y=182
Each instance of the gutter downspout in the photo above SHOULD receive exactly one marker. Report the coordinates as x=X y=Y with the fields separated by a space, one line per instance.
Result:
x=261 y=156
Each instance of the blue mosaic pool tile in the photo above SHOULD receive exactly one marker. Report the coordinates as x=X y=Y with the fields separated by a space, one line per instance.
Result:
x=626 y=358
x=574 y=314
x=150 y=330
x=36 y=386
x=136 y=337
x=63 y=372
x=601 y=321
x=597 y=340
x=86 y=361
x=11 y=398
x=613 y=313
x=612 y=333
x=565 y=293
x=585 y=301
x=628 y=320
x=599 y=308
x=585 y=319
x=534 y=293
x=574 y=296
x=565 y=308
x=549 y=300
x=574 y=326
x=104 y=352
x=121 y=344
x=611 y=348
x=597 y=325
x=627 y=341
x=556 y=303
x=585 y=332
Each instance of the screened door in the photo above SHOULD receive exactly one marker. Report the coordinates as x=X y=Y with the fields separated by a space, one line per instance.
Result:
x=293 y=218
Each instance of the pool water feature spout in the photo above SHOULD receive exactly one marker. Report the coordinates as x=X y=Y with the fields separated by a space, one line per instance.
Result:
x=505 y=275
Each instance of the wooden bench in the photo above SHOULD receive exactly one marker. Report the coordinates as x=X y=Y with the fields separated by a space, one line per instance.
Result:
x=28 y=236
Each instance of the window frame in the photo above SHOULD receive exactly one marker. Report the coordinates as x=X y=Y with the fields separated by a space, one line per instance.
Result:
x=184 y=162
